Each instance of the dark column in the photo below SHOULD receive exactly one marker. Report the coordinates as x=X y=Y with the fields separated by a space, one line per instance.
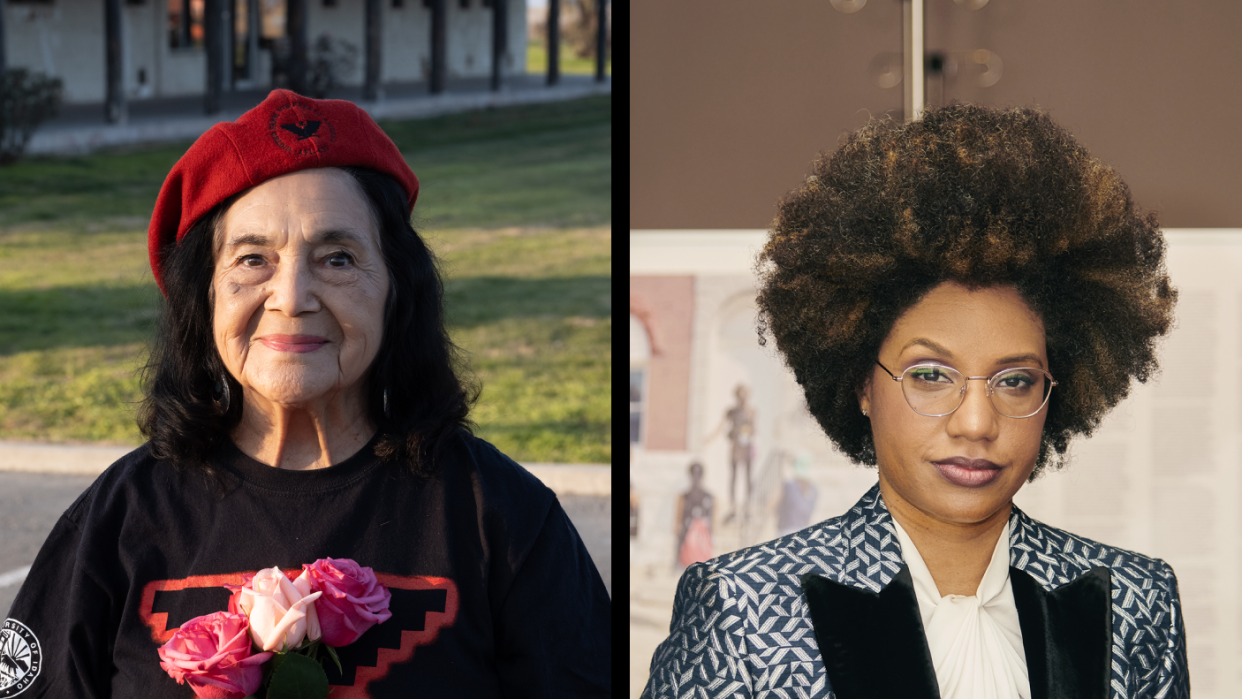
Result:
x=114 y=99
x=371 y=91
x=213 y=41
x=252 y=40
x=228 y=51
x=185 y=23
x=500 y=40
x=554 y=41
x=296 y=27
x=439 y=44
x=601 y=41
x=2 y=63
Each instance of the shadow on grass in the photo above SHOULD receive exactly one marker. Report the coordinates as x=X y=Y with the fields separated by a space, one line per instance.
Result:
x=76 y=316
x=474 y=301
x=111 y=314
x=564 y=148
x=569 y=440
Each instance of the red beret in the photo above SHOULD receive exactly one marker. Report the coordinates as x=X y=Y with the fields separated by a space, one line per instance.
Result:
x=285 y=133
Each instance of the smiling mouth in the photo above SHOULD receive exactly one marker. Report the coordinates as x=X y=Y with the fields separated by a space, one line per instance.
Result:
x=299 y=344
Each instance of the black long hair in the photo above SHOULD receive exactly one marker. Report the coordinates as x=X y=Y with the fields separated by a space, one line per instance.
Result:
x=430 y=390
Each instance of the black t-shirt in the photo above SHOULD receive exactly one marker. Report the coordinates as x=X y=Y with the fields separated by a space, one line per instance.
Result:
x=493 y=592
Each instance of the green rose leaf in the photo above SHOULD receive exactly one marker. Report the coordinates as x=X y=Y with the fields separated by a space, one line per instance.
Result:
x=335 y=659
x=298 y=677
x=278 y=659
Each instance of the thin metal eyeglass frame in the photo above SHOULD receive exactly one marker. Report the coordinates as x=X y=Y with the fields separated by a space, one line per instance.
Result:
x=962 y=393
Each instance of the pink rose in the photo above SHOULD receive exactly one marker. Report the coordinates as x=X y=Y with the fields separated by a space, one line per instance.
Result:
x=352 y=602
x=235 y=598
x=212 y=653
x=282 y=613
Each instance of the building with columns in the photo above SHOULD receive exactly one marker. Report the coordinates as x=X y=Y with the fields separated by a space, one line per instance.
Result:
x=115 y=51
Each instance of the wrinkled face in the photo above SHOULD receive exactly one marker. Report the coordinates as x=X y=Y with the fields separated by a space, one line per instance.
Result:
x=978 y=333
x=299 y=287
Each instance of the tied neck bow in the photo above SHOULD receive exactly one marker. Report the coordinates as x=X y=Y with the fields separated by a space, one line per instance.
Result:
x=976 y=641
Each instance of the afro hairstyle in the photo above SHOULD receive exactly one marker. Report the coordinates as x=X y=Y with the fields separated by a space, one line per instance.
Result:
x=978 y=196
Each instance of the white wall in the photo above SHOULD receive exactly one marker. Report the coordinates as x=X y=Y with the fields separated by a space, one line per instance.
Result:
x=407 y=42
x=143 y=35
x=469 y=40
x=63 y=39
x=345 y=21
x=66 y=39
x=182 y=71
x=407 y=38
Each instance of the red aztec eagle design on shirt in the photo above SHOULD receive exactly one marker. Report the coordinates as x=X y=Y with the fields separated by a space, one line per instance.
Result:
x=437 y=615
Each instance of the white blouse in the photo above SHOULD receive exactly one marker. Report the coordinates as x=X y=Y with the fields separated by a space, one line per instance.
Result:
x=976 y=641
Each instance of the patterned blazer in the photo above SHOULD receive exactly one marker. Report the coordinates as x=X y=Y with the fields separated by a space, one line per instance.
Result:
x=830 y=611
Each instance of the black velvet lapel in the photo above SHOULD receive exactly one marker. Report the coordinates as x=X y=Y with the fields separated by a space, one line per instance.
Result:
x=1067 y=635
x=873 y=645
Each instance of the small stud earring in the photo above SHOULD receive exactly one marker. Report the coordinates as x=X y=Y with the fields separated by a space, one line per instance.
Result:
x=864 y=413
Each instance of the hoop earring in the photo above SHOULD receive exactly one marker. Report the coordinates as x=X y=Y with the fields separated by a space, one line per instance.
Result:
x=220 y=396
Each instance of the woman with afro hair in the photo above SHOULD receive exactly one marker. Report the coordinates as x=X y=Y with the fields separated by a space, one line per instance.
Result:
x=958 y=297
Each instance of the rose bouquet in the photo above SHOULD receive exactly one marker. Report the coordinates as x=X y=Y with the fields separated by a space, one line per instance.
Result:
x=271 y=637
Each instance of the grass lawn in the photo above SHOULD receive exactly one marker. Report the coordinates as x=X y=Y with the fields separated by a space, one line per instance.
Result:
x=516 y=202
x=537 y=60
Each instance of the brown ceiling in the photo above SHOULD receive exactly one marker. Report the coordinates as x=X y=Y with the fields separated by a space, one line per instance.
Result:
x=732 y=99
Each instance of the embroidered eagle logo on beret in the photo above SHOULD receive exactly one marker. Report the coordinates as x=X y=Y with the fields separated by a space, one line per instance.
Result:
x=303 y=129
x=300 y=128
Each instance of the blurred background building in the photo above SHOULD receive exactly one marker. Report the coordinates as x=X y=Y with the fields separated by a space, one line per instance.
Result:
x=733 y=99
x=163 y=43
x=156 y=51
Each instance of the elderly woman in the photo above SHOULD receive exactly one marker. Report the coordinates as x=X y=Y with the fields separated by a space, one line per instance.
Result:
x=304 y=405
x=957 y=296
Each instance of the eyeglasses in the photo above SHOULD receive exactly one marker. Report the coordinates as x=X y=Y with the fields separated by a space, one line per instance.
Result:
x=936 y=390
